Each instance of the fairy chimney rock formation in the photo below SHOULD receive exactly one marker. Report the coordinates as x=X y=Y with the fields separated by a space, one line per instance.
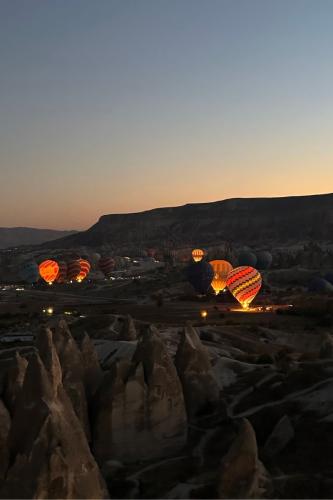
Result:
x=14 y=381
x=49 y=452
x=242 y=474
x=72 y=365
x=326 y=347
x=4 y=432
x=200 y=388
x=140 y=411
x=128 y=331
x=93 y=373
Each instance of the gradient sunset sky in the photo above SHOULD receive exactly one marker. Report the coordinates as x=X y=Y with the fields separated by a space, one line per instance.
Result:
x=125 y=105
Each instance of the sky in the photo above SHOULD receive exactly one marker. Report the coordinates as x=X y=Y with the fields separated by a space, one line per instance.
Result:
x=111 y=106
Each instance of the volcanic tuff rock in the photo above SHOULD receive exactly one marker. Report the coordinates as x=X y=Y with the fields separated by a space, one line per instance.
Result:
x=4 y=432
x=128 y=330
x=195 y=372
x=72 y=366
x=140 y=409
x=93 y=373
x=281 y=435
x=242 y=221
x=50 y=456
x=242 y=474
x=326 y=348
x=14 y=381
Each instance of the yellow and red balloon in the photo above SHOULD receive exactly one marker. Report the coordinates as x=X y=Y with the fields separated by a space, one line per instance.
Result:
x=221 y=270
x=197 y=254
x=244 y=283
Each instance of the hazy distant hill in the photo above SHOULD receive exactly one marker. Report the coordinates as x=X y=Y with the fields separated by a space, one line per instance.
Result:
x=17 y=236
x=252 y=221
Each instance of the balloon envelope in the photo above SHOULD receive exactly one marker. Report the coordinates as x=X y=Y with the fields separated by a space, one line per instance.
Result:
x=329 y=277
x=62 y=274
x=106 y=265
x=73 y=269
x=244 y=283
x=84 y=269
x=264 y=260
x=247 y=258
x=197 y=254
x=49 y=270
x=29 y=272
x=320 y=285
x=200 y=275
x=221 y=270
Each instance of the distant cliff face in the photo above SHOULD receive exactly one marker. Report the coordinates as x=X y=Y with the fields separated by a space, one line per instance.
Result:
x=249 y=221
x=17 y=236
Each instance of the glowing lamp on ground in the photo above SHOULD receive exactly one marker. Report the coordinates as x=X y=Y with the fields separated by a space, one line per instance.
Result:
x=203 y=314
x=197 y=254
x=49 y=270
x=221 y=270
x=244 y=283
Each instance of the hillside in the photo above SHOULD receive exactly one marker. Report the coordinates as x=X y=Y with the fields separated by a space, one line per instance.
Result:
x=252 y=221
x=17 y=236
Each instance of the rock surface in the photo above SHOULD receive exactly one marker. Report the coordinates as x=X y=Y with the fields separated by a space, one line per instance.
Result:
x=200 y=388
x=281 y=435
x=326 y=348
x=242 y=474
x=128 y=331
x=4 y=432
x=49 y=453
x=72 y=366
x=141 y=412
x=92 y=371
x=14 y=381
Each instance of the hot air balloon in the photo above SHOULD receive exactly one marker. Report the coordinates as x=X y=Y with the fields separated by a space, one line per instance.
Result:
x=320 y=285
x=200 y=275
x=84 y=270
x=151 y=252
x=62 y=274
x=221 y=270
x=197 y=254
x=264 y=260
x=106 y=265
x=73 y=269
x=49 y=270
x=244 y=283
x=29 y=271
x=329 y=277
x=247 y=258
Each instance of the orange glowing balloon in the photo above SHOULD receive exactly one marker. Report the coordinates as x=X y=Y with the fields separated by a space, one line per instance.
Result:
x=49 y=270
x=84 y=270
x=221 y=270
x=197 y=254
x=244 y=283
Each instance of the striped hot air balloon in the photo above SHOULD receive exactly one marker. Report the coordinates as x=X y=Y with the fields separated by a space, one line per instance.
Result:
x=197 y=254
x=62 y=274
x=244 y=283
x=106 y=265
x=73 y=269
x=49 y=270
x=84 y=270
x=221 y=270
